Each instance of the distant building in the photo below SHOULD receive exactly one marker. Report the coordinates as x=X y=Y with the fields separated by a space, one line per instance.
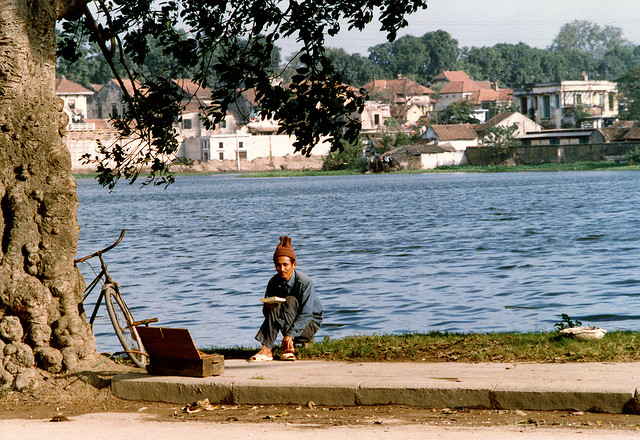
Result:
x=556 y=104
x=410 y=100
x=109 y=101
x=621 y=131
x=507 y=119
x=456 y=86
x=560 y=136
x=374 y=115
x=426 y=155
x=459 y=136
x=75 y=99
x=447 y=76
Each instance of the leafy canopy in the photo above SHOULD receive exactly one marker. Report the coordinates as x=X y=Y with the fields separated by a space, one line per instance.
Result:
x=459 y=112
x=587 y=37
x=629 y=87
x=228 y=47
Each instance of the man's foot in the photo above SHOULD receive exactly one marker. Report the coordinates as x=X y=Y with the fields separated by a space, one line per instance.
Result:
x=263 y=355
x=288 y=356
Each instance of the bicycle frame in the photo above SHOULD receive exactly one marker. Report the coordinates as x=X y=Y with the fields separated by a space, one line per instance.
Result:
x=103 y=273
x=121 y=318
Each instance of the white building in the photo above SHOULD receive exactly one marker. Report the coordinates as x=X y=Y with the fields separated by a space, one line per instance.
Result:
x=554 y=105
x=459 y=136
x=507 y=119
x=374 y=115
x=75 y=99
x=241 y=135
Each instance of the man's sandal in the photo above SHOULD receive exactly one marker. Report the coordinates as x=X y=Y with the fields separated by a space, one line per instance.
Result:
x=287 y=357
x=258 y=357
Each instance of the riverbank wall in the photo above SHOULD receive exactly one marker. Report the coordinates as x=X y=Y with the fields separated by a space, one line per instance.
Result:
x=538 y=154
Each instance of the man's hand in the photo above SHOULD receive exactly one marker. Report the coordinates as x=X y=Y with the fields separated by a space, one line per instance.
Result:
x=287 y=344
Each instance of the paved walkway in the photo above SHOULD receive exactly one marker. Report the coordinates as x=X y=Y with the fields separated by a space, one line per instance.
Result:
x=581 y=386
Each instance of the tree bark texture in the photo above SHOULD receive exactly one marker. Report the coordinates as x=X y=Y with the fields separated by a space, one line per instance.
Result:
x=40 y=289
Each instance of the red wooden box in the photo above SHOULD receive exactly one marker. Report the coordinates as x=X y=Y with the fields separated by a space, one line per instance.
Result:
x=172 y=352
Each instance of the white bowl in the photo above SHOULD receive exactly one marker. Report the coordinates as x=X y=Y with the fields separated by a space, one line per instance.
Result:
x=584 y=333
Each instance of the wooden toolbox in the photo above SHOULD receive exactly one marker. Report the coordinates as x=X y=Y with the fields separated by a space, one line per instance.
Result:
x=173 y=353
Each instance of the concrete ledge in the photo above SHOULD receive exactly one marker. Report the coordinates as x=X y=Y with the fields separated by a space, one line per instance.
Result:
x=603 y=387
x=561 y=399
x=424 y=397
x=293 y=395
x=135 y=386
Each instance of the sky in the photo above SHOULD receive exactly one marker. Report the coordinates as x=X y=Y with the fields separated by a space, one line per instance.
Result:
x=488 y=22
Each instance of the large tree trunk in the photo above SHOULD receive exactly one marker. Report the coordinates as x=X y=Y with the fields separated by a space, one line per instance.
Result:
x=40 y=290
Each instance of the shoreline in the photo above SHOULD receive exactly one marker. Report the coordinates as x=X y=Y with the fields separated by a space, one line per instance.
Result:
x=315 y=171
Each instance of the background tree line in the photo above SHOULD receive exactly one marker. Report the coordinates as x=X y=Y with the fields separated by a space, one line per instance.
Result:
x=580 y=46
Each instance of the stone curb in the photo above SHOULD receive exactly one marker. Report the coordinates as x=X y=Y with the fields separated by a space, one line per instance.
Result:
x=184 y=390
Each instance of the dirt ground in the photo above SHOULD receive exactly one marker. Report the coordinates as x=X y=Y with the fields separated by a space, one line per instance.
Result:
x=63 y=396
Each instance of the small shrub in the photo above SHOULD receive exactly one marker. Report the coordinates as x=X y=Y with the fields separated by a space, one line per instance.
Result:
x=349 y=158
x=633 y=157
x=566 y=322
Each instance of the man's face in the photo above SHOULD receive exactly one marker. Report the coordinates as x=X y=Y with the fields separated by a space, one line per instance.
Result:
x=285 y=267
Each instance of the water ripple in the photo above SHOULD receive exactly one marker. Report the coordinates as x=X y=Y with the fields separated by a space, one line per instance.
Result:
x=392 y=253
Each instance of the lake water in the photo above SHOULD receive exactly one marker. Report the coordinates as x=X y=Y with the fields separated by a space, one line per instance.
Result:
x=388 y=253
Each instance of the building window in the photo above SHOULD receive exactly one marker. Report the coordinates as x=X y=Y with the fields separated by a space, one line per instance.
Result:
x=612 y=101
x=578 y=98
x=100 y=113
x=114 y=111
x=242 y=155
x=221 y=155
x=204 y=150
x=223 y=123
x=240 y=144
x=556 y=101
x=220 y=145
x=376 y=119
x=546 y=107
x=186 y=124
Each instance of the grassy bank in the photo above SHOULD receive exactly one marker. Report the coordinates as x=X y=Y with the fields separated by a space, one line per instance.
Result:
x=576 y=166
x=616 y=346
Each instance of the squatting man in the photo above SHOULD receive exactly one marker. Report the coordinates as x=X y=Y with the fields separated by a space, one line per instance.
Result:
x=298 y=312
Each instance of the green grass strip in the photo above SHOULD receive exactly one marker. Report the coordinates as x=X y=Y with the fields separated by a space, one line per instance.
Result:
x=546 y=347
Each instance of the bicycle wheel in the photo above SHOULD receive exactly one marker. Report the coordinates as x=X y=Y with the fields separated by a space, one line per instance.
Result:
x=122 y=321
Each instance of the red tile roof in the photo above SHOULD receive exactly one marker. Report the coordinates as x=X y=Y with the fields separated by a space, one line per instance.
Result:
x=399 y=87
x=130 y=86
x=452 y=132
x=452 y=75
x=633 y=134
x=191 y=106
x=484 y=84
x=460 y=87
x=66 y=87
x=193 y=89
x=484 y=95
x=505 y=94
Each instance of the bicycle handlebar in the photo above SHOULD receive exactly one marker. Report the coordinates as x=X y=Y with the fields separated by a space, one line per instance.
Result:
x=100 y=252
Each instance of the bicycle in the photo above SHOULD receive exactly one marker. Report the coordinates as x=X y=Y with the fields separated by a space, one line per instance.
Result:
x=119 y=314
